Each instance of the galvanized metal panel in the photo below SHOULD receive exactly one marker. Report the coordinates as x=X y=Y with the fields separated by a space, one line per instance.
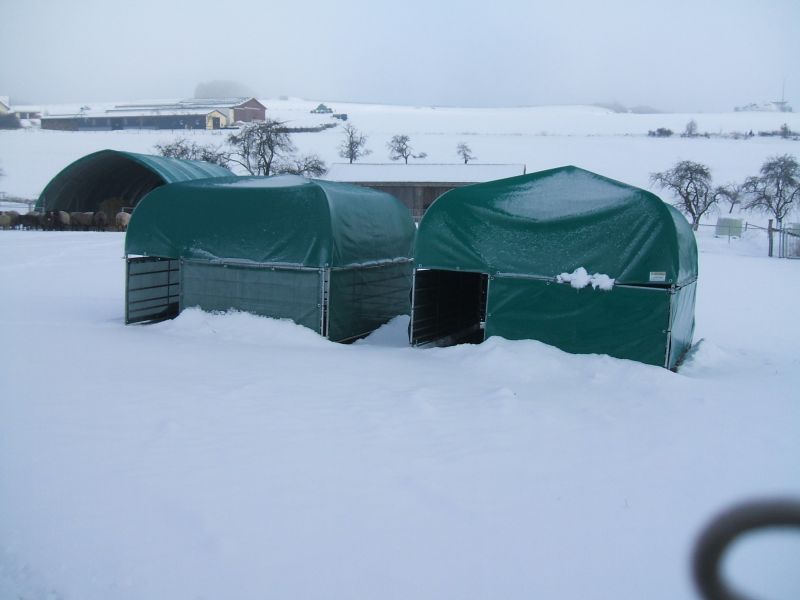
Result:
x=152 y=288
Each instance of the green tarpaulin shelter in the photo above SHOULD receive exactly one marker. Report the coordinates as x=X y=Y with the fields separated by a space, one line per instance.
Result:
x=333 y=257
x=488 y=259
x=109 y=180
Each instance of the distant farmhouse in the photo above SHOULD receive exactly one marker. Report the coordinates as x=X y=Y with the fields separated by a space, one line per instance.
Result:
x=198 y=113
x=419 y=185
x=773 y=106
x=5 y=106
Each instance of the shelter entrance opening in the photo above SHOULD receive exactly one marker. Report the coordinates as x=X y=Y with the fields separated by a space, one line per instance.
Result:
x=449 y=307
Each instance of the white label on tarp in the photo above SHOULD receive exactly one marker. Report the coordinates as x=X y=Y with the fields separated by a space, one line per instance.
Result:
x=658 y=276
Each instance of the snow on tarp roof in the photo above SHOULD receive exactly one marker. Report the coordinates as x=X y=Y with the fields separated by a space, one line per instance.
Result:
x=191 y=103
x=555 y=221
x=421 y=173
x=286 y=219
x=96 y=177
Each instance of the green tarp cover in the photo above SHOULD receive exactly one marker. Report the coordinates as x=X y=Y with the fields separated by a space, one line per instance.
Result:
x=628 y=322
x=287 y=219
x=87 y=182
x=555 y=221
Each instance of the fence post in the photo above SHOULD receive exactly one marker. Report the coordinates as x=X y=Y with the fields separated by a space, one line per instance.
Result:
x=769 y=235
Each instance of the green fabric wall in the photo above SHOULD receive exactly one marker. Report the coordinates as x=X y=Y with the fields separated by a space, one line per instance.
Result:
x=626 y=322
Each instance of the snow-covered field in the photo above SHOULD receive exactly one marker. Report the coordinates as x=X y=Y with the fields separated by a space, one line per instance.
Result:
x=230 y=456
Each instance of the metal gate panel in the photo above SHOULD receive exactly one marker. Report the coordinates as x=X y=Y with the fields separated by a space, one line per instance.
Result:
x=152 y=288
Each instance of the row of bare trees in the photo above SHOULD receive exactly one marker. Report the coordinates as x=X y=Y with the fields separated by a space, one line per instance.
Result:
x=260 y=148
x=774 y=191
x=354 y=147
x=266 y=148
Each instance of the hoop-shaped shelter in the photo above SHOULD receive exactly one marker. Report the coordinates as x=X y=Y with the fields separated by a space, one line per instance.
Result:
x=109 y=180
x=333 y=257
x=488 y=259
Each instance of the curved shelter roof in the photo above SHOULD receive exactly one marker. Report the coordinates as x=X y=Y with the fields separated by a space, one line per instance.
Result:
x=286 y=219
x=555 y=221
x=126 y=177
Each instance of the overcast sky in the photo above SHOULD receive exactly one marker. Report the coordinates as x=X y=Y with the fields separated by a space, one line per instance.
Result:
x=672 y=54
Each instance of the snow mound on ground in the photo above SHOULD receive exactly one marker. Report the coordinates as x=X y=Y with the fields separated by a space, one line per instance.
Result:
x=392 y=334
x=240 y=327
x=580 y=278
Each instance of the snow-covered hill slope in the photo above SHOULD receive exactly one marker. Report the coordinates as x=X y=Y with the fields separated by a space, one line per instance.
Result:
x=615 y=145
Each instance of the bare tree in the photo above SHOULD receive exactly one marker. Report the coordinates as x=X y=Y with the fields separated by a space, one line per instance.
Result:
x=776 y=189
x=353 y=145
x=259 y=145
x=187 y=150
x=691 y=183
x=309 y=165
x=733 y=193
x=465 y=152
x=399 y=147
x=691 y=129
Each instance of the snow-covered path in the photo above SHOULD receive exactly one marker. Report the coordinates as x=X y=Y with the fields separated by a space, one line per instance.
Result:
x=230 y=456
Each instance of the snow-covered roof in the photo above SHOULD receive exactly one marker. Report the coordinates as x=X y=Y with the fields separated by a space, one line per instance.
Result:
x=134 y=113
x=27 y=108
x=421 y=173
x=5 y=101
x=195 y=106
x=192 y=103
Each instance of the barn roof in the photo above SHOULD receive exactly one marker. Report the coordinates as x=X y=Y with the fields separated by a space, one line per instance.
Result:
x=421 y=173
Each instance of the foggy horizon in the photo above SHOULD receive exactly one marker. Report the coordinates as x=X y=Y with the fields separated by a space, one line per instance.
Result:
x=690 y=57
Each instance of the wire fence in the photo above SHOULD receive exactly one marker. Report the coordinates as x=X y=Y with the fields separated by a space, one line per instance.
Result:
x=783 y=242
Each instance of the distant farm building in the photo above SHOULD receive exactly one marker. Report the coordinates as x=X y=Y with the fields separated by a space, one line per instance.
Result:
x=5 y=105
x=321 y=110
x=419 y=185
x=213 y=113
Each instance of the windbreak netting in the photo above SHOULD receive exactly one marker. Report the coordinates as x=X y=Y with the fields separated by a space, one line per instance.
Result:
x=271 y=291
x=362 y=298
x=681 y=324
